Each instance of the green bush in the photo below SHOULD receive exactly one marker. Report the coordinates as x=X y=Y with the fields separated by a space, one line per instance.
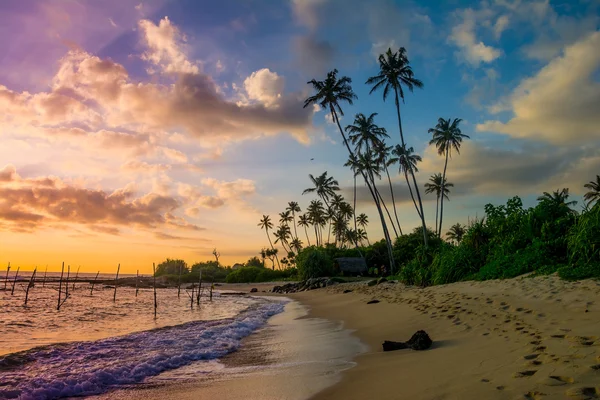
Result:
x=259 y=274
x=313 y=262
x=583 y=244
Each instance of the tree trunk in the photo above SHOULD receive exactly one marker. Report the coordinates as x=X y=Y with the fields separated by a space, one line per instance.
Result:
x=307 y=238
x=393 y=200
x=295 y=231
x=437 y=205
x=354 y=209
x=425 y=241
x=385 y=207
x=272 y=248
x=443 y=184
x=381 y=216
x=411 y=193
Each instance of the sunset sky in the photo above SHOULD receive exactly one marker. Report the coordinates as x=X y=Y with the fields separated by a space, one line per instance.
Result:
x=134 y=131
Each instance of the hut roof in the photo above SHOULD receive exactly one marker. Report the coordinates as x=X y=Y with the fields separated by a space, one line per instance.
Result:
x=355 y=265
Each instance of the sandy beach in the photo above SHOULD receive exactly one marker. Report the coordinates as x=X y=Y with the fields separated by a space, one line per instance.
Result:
x=525 y=338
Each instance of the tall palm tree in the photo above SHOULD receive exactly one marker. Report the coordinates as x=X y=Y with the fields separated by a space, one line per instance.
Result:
x=446 y=136
x=361 y=236
x=285 y=217
x=438 y=186
x=304 y=220
x=456 y=232
x=365 y=134
x=282 y=234
x=316 y=213
x=407 y=161
x=324 y=186
x=294 y=208
x=395 y=73
x=266 y=224
x=559 y=198
x=593 y=196
x=329 y=94
x=353 y=164
x=296 y=245
x=363 y=221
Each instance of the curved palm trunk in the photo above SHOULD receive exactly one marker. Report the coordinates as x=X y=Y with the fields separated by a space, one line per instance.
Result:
x=354 y=209
x=425 y=241
x=411 y=193
x=385 y=207
x=443 y=183
x=306 y=232
x=378 y=206
x=295 y=231
x=272 y=248
x=316 y=234
x=437 y=204
x=393 y=200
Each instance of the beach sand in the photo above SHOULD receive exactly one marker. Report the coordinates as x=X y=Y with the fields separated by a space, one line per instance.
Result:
x=524 y=338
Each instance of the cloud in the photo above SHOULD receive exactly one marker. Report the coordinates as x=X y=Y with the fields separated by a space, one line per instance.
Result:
x=46 y=201
x=463 y=35
x=307 y=12
x=165 y=43
x=560 y=104
x=313 y=56
x=264 y=86
x=500 y=25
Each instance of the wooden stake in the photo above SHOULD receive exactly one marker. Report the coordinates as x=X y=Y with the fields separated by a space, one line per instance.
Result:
x=179 y=282
x=93 y=283
x=67 y=283
x=192 y=298
x=116 y=278
x=199 y=288
x=45 y=273
x=60 y=284
x=155 y=305
x=15 y=282
x=30 y=285
x=137 y=279
x=7 y=271
x=212 y=285
x=76 y=275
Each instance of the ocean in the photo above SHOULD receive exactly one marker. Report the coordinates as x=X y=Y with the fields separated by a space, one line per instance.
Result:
x=96 y=347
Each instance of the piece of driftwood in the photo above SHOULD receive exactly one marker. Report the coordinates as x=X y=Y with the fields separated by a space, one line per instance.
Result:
x=233 y=293
x=419 y=341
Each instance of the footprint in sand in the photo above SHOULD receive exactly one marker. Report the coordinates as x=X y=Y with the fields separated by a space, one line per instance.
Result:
x=558 y=336
x=524 y=374
x=584 y=393
x=535 y=342
x=531 y=356
x=595 y=367
x=535 y=395
x=555 y=380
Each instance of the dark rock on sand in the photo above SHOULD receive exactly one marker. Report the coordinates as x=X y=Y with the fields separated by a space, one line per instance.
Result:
x=374 y=301
x=348 y=291
x=253 y=290
x=309 y=284
x=419 y=341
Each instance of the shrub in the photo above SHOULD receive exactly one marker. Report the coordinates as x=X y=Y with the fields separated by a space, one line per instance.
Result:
x=583 y=244
x=313 y=262
x=244 y=275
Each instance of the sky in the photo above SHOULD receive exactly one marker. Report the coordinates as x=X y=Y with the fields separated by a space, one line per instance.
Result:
x=133 y=131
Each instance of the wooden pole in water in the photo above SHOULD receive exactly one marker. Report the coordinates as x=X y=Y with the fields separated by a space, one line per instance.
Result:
x=15 y=282
x=212 y=285
x=116 y=278
x=192 y=298
x=75 y=280
x=93 y=283
x=67 y=283
x=60 y=284
x=7 y=271
x=137 y=279
x=179 y=282
x=199 y=287
x=30 y=285
x=45 y=273
x=155 y=305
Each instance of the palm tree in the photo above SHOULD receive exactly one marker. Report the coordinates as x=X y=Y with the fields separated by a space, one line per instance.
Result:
x=558 y=199
x=282 y=234
x=324 y=186
x=296 y=245
x=316 y=213
x=363 y=221
x=395 y=73
x=266 y=224
x=293 y=207
x=329 y=94
x=446 y=136
x=383 y=154
x=438 y=186
x=593 y=196
x=361 y=235
x=304 y=220
x=456 y=232
x=407 y=161
x=353 y=164
x=365 y=134
x=285 y=217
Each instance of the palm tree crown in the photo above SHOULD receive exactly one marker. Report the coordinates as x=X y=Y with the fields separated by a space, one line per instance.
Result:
x=365 y=134
x=558 y=198
x=406 y=159
x=324 y=186
x=593 y=196
x=331 y=91
x=456 y=232
x=436 y=186
x=447 y=136
x=265 y=223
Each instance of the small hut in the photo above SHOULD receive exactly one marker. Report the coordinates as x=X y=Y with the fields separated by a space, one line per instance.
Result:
x=352 y=265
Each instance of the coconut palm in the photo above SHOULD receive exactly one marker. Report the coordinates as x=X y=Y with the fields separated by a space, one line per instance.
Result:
x=296 y=245
x=324 y=186
x=365 y=134
x=395 y=73
x=438 y=186
x=558 y=199
x=304 y=220
x=329 y=94
x=361 y=236
x=363 y=221
x=446 y=136
x=383 y=153
x=316 y=213
x=266 y=224
x=285 y=217
x=593 y=196
x=282 y=234
x=407 y=161
x=294 y=208
x=353 y=164
x=456 y=232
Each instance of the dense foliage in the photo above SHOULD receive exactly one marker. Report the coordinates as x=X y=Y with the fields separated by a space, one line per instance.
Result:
x=250 y=274
x=313 y=262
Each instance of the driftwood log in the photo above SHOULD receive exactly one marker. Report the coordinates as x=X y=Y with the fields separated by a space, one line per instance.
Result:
x=419 y=341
